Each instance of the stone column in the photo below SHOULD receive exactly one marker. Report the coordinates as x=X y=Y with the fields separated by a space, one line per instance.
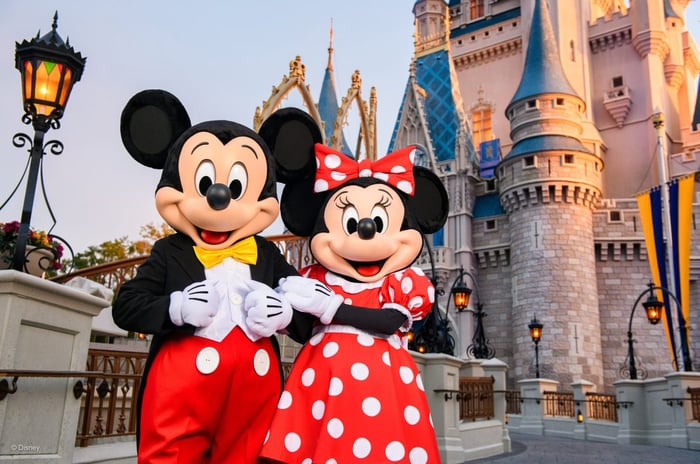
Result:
x=632 y=412
x=532 y=411
x=580 y=389
x=441 y=372
x=497 y=369
x=45 y=326
x=681 y=411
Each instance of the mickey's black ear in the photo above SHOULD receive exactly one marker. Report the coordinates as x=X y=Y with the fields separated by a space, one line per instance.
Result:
x=291 y=134
x=429 y=204
x=151 y=121
x=299 y=207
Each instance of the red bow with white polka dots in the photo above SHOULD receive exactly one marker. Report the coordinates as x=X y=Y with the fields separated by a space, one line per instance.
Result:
x=334 y=168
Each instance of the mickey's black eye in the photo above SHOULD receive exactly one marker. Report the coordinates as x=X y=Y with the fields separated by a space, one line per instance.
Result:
x=237 y=181
x=204 y=177
x=380 y=218
x=350 y=219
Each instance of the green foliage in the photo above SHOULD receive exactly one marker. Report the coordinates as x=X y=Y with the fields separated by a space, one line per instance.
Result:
x=119 y=248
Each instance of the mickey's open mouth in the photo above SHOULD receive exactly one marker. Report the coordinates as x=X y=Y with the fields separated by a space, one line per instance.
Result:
x=213 y=238
x=367 y=268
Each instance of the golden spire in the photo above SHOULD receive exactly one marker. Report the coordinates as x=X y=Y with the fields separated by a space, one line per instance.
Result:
x=330 y=48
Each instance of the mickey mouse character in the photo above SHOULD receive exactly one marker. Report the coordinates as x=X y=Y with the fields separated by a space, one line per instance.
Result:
x=213 y=376
x=354 y=393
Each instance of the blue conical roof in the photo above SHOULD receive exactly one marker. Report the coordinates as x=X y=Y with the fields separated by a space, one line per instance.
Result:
x=542 y=72
x=328 y=104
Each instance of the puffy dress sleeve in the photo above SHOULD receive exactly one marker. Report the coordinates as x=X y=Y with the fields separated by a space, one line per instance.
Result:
x=410 y=291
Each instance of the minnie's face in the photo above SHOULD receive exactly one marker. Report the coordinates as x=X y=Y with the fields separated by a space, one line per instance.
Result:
x=364 y=239
x=221 y=184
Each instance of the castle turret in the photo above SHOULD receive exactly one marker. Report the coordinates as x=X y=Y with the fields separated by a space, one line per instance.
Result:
x=549 y=183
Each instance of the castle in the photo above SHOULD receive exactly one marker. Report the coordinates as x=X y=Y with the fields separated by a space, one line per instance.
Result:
x=538 y=115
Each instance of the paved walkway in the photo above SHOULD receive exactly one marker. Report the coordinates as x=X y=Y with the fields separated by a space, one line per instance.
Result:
x=534 y=449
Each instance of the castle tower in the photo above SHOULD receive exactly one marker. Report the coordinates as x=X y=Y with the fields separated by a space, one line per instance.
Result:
x=549 y=183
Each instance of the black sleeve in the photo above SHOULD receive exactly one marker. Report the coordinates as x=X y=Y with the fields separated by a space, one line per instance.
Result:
x=384 y=320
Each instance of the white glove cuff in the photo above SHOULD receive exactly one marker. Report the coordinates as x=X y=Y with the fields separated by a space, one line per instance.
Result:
x=175 y=308
x=333 y=305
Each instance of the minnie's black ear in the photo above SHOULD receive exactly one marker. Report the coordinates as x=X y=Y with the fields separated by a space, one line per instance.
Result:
x=300 y=207
x=291 y=134
x=151 y=121
x=429 y=204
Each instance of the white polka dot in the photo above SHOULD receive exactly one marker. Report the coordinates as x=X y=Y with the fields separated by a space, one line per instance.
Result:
x=347 y=301
x=418 y=271
x=318 y=409
x=316 y=339
x=318 y=163
x=336 y=387
x=398 y=169
x=406 y=284
x=361 y=448
x=292 y=442
x=339 y=176
x=391 y=294
x=332 y=161
x=381 y=176
x=419 y=382
x=405 y=186
x=335 y=428
x=331 y=461
x=365 y=340
x=330 y=350
x=320 y=185
x=399 y=275
x=371 y=406
x=267 y=437
x=307 y=461
x=365 y=173
x=416 y=302
x=431 y=294
x=386 y=358
x=394 y=451
x=285 y=400
x=412 y=156
x=411 y=414
x=406 y=374
x=307 y=378
x=359 y=371
x=418 y=456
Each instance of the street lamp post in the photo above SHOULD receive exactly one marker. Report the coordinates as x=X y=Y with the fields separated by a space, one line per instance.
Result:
x=653 y=308
x=535 y=327
x=49 y=68
x=479 y=348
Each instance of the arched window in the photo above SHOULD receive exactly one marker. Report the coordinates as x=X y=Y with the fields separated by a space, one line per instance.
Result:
x=482 y=130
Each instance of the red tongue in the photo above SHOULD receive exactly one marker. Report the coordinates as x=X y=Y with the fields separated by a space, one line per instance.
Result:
x=368 y=271
x=213 y=238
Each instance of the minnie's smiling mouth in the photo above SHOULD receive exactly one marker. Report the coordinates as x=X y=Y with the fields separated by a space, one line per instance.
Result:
x=213 y=238
x=367 y=268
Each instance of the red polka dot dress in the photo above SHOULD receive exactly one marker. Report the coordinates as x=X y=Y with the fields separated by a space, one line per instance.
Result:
x=356 y=397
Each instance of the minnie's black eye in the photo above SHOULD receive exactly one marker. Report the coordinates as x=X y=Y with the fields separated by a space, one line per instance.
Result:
x=380 y=218
x=204 y=177
x=350 y=220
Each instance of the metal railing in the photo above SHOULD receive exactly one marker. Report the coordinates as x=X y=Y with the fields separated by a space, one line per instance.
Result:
x=475 y=398
x=602 y=407
x=558 y=403
x=513 y=401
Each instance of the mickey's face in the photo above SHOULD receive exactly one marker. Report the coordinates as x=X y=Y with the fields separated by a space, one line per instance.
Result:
x=364 y=239
x=221 y=184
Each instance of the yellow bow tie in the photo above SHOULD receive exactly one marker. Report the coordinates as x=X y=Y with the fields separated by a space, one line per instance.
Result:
x=245 y=251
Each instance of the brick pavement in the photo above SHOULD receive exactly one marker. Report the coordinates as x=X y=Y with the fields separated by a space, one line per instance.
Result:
x=534 y=449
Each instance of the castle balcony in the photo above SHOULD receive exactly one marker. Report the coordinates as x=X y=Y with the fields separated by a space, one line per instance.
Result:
x=618 y=101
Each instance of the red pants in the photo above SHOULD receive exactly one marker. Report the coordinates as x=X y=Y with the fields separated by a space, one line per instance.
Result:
x=219 y=416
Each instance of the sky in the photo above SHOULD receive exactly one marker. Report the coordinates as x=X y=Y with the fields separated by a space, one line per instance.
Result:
x=221 y=58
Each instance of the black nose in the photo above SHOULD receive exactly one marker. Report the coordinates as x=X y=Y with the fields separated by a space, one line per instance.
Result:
x=366 y=228
x=218 y=196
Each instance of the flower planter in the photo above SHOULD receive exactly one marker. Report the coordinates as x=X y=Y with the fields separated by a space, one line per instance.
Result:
x=38 y=260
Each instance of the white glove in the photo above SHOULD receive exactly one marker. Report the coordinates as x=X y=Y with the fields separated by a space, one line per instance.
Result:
x=311 y=296
x=196 y=305
x=267 y=311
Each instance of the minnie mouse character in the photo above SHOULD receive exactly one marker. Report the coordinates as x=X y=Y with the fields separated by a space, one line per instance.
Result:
x=354 y=393
x=213 y=376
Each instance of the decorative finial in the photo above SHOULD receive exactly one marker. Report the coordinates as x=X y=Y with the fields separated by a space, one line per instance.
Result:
x=54 y=26
x=330 y=48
